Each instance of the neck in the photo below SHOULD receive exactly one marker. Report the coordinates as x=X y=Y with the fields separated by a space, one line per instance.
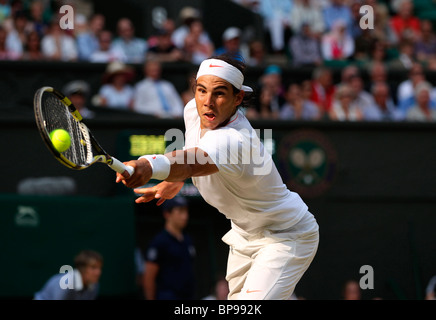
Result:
x=176 y=232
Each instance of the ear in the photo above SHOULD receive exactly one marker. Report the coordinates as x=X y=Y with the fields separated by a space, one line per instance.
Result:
x=239 y=97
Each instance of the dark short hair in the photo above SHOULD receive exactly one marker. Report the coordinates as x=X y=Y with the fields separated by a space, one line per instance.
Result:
x=85 y=257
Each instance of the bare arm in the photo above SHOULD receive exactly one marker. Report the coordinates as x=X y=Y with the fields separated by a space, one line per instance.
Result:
x=185 y=164
x=151 y=271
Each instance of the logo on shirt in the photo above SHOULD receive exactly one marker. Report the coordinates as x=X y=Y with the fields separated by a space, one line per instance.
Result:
x=308 y=162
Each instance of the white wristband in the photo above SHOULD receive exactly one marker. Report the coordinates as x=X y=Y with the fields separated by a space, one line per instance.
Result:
x=160 y=166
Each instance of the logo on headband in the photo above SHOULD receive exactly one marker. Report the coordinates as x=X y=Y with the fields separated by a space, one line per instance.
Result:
x=215 y=66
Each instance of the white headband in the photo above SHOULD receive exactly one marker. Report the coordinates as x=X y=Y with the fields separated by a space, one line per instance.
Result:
x=223 y=70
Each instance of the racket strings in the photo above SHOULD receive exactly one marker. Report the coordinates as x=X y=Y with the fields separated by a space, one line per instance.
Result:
x=57 y=116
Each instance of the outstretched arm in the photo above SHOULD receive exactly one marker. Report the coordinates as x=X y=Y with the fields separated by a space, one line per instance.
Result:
x=182 y=164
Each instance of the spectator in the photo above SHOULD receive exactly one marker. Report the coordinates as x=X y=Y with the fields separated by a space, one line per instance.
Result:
x=383 y=30
x=87 y=271
x=6 y=53
x=276 y=15
x=164 y=49
x=39 y=23
x=187 y=16
x=363 y=100
x=58 y=45
x=32 y=49
x=335 y=11
x=105 y=52
x=17 y=35
x=169 y=269
x=406 y=88
x=348 y=73
x=422 y=109
x=88 y=40
x=297 y=107
x=78 y=92
x=425 y=46
x=197 y=47
x=323 y=89
x=406 y=57
x=188 y=94
x=355 y=29
x=116 y=91
x=337 y=44
x=220 y=290
x=405 y=25
x=305 y=13
x=351 y=290
x=271 y=96
x=343 y=109
x=231 y=40
x=305 y=48
x=386 y=109
x=363 y=46
x=168 y=26
x=257 y=54
x=134 y=48
x=156 y=96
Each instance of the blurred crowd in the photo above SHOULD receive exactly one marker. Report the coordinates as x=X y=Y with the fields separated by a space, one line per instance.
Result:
x=316 y=34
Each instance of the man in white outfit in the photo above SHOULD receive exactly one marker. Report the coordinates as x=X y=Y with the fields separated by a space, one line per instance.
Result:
x=273 y=238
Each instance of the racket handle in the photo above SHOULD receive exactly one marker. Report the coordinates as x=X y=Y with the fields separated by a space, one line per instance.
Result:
x=120 y=167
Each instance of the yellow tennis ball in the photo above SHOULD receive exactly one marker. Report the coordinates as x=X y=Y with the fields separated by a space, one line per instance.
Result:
x=61 y=139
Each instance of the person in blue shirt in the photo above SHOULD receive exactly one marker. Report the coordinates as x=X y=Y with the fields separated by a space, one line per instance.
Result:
x=85 y=280
x=169 y=258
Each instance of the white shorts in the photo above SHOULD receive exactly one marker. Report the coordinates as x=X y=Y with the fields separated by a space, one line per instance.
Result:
x=268 y=266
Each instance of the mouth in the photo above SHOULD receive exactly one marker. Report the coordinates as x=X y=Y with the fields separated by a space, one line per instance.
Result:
x=210 y=116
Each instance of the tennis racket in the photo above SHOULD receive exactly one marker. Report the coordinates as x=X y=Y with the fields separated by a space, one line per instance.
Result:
x=53 y=110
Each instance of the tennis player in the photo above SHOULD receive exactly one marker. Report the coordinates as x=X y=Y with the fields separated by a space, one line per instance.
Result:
x=273 y=237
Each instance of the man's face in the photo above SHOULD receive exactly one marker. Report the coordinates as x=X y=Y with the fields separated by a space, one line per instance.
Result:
x=216 y=102
x=91 y=273
x=178 y=217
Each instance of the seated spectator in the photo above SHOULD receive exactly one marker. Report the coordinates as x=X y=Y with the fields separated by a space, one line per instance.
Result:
x=32 y=49
x=406 y=57
x=342 y=108
x=384 y=104
x=257 y=54
x=422 y=109
x=405 y=25
x=197 y=47
x=6 y=52
x=231 y=43
x=38 y=20
x=363 y=100
x=116 y=92
x=18 y=32
x=305 y=48
x=304 y=12
x=363 y=46
x=187 y=16
x=168 y=26
x=383 y=30
x=337 y=10
x=271 y=96
x=58 y=45
x=323 y=89
x=337 y=44
x=134 y=48
x=156 y=96
x=78 y=92
x=405 y=90
x=88 y=265
x=88 y=39
x=164 y=49
x=297 y=107
x=425 y=46
x=105 y=52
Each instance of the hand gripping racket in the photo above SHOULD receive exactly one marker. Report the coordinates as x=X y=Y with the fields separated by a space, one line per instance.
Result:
x=53 y=111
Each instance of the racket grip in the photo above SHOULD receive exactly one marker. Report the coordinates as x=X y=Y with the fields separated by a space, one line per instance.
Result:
x=120 y=167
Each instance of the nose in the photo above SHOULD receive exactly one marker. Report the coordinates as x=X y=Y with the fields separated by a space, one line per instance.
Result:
x=208 y=99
